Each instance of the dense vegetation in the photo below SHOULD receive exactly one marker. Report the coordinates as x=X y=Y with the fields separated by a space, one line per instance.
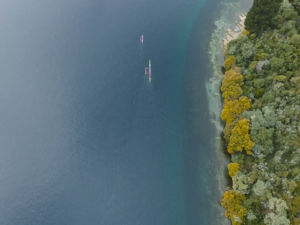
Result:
x=261 y=91
x=261 y=15
x=296 y=4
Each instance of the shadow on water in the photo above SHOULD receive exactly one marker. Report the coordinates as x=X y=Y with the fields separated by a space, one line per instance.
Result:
x=199 y=138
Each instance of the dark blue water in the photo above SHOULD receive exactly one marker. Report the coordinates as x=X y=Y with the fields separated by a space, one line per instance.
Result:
x=84 y=138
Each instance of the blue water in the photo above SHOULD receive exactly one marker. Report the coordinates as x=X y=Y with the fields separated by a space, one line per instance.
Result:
x=84 y=138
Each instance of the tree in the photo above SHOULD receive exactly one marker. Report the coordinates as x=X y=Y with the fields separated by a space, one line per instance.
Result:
x=296 y=4
x=233 y=108
x=231 y=84
x=240 y=138
x=261 y=15
x=233 y=209
x=229 y=62
x=233 y=168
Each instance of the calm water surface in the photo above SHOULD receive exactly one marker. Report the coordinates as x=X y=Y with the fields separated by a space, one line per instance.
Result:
x=84 y=138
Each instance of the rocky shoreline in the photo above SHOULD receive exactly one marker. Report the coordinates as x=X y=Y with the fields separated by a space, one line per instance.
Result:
x=233 y=33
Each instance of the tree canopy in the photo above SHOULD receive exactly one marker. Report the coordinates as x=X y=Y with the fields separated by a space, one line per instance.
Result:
x=261 y=15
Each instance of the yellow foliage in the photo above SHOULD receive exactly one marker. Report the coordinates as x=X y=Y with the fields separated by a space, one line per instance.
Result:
x=233 y=209
x=233 y=108
x=229 y=62
x=246 y=32
x=233 y=168
x=231 y=84
x=240 y=138
x=227 y=130
x=296 y=205
x=296 y=221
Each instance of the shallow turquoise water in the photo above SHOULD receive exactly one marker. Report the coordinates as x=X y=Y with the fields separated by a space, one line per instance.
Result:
x=85 y=139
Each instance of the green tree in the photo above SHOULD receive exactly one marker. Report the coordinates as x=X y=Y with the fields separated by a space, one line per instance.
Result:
x=261 y=15
x=296 y=4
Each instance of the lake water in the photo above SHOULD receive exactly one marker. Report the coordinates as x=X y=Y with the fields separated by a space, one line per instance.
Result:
x=85 y=139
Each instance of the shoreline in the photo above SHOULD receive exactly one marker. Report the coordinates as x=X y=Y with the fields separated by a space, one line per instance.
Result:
x=227 y=29
x=233 y=33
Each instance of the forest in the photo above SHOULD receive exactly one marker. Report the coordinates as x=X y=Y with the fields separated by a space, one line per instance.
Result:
x=261 y=112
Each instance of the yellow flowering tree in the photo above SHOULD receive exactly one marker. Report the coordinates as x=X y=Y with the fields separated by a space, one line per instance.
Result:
x=233 y=209
x=231 y=85
x=233 y=168
x=229 y=62
x=240 y=138
x=233 y=108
